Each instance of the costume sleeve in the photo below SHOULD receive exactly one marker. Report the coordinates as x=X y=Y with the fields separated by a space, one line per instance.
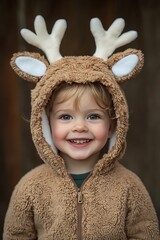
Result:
x=141 y=222
x=19 y=222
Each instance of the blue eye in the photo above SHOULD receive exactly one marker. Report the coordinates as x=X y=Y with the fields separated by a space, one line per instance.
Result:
x=94 y=117
x=65 y=117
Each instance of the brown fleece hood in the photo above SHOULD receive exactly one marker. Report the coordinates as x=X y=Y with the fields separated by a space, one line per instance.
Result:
x=47 y=76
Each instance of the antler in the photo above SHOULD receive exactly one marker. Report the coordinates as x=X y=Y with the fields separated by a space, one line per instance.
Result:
x=107 y=41
x=49 y=43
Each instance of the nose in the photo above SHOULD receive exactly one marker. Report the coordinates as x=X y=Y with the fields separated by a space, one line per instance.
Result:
x=80 y=126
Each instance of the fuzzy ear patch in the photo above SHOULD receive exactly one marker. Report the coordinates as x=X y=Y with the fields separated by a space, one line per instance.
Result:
x=29 y=66
x=124 y=66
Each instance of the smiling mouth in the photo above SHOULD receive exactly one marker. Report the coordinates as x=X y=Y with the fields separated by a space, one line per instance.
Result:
x=79 y=141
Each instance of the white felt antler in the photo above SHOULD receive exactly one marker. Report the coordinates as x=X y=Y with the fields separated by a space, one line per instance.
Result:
x=107 y=41
x=49 y=43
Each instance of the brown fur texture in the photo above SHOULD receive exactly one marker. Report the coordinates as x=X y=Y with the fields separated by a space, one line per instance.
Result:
x=116 y=205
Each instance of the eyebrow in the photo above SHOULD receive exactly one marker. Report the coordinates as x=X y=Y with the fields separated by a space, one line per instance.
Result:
x=64 y=110
x=88 y=110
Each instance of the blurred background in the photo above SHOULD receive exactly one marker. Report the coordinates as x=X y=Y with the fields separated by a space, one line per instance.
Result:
x=17 y=152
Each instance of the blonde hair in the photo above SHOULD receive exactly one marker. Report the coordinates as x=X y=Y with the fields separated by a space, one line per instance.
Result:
x=99 y=92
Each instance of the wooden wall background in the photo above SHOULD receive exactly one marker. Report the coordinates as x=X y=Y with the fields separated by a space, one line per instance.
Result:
x=17 y=153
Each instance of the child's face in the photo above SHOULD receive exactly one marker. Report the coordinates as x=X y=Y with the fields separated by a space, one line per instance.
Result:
x=80 y=134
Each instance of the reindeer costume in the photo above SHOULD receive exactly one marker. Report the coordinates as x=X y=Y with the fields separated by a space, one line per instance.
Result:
x=112 y=202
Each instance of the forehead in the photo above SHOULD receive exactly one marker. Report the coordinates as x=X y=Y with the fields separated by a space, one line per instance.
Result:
x=66 y=101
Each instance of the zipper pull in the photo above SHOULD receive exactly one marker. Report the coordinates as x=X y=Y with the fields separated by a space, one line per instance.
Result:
x=79 y=197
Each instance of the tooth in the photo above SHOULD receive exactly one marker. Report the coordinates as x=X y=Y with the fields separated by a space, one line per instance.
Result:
x=80 y=141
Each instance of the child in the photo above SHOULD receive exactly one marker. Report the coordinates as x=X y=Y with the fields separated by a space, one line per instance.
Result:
x=80 y=131
x=79 y=123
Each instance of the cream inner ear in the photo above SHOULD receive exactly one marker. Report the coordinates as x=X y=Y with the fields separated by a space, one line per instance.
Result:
x=31 y=66
x=125 y=66
x=46 y=130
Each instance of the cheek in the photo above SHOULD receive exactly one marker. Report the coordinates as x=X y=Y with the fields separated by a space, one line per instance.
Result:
x=101 y=132
x=57 y=133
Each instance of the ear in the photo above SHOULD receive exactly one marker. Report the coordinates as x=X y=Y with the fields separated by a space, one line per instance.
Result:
x=29 y=66
x=126 y=65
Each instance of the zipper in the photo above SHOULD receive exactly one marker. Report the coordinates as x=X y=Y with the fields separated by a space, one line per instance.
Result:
x=79 y=213
x=79 y=196
x=80 y=201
